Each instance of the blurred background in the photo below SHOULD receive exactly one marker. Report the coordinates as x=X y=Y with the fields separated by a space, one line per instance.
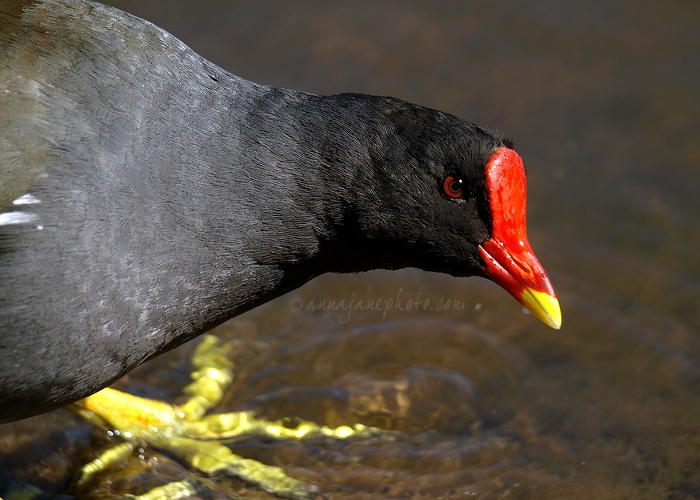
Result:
x=602 y=99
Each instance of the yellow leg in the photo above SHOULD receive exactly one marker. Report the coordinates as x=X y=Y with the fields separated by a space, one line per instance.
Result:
x=180 y=429
x=106 y=459
x=244 y=423
x=172 y=491
x=211 y=457
x=213 y=374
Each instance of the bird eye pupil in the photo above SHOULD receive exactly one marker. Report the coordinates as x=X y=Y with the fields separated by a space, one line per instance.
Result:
x=453 y=186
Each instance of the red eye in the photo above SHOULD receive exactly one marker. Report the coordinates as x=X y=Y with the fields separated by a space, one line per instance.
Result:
x=453 y=186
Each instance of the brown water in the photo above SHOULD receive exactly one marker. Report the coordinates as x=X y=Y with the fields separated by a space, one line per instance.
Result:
x=603 y=101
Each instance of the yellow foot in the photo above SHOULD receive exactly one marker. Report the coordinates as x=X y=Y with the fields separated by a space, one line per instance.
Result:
x=181 y=430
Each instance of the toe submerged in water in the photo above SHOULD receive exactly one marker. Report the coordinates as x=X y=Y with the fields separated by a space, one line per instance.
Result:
x=147 y=195
x=187 y=433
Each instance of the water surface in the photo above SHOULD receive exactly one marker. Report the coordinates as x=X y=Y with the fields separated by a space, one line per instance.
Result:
x=602 y=101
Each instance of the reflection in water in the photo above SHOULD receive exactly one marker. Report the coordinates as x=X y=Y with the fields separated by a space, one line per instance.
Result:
x=481 y=399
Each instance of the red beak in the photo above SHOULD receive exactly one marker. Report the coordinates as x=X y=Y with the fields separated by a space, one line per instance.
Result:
x=509 y=260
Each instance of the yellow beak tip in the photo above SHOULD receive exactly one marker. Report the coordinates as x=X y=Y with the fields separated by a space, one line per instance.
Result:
x=544 y=306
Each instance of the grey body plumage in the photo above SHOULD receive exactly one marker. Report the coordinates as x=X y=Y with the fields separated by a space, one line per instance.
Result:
x=170 y=195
